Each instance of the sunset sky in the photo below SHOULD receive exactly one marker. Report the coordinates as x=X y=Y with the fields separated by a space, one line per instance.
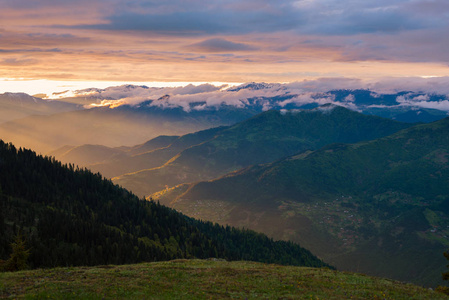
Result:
x=219 y=41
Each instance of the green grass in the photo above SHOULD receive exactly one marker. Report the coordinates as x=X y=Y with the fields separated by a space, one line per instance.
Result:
x=203 y=279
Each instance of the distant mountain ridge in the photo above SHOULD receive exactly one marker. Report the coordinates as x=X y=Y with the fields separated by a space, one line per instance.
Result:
x=19 y=105
x=131 y=159
x=264 y=138
x=129 y=115
x=264 y=96
x=124 y=125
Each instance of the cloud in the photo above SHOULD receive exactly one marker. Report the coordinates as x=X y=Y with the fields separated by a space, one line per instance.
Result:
x=30 y=50
x=308 y=97
x=422 y=101
x=25 y=4
x=41 y=42
x=221 y=45
x=322 y=85
x=433 y=85
x=440 y=105
x=180 y=17
x=17 y=62
x=428 y=7
x=134 y=95
x=161 y=40
x=266 y=96
x=345 y=18
x=179 y=23
x=350 y=98
x=194 y=89
x=210 y=95
x=386 y=85
x=322 y=17
x=411 y=98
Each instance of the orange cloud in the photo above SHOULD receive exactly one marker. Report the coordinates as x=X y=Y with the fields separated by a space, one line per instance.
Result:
x=236 y=41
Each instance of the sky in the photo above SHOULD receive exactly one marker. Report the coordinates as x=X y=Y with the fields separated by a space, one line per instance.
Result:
x=63 y=43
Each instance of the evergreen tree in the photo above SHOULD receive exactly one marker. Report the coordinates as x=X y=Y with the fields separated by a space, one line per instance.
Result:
x=445 y=276
x=18 y=259
x=73 y=217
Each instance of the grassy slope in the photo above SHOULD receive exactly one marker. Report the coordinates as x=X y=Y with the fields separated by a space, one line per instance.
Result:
x=204 y=279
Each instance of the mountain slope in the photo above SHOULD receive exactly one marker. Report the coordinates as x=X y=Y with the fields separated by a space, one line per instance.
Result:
x=95 y=156
x=86 y=154
x=264 y=138
x=205 y=279
x=137 y=158
x=74 y=217
x=124 y=125
x=379 y=207
x=161 y=141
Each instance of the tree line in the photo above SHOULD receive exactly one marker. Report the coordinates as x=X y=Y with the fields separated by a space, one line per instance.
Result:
x=70 y=216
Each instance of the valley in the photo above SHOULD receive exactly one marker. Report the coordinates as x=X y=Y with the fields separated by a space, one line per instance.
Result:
x=184 y=149
x=264 y=138
x=364 y=193
x=376 y=204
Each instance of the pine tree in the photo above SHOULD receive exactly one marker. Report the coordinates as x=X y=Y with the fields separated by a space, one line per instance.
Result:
x=18 y=259
x=445 y=276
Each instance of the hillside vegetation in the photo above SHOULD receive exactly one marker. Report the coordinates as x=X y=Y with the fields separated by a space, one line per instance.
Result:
x=264 y=138
x=73 y=217
x=381 y=206
x=200 y=279
x=142 y=157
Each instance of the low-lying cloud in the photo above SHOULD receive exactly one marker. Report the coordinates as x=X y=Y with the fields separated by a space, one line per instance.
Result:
x=416 y=92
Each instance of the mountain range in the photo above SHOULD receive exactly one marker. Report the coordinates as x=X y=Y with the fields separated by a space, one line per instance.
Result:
x=19 y=105
x=379 y=206
x=129 y=115
x=124 y=125
x=269 y=136
x=331 y=204
x=345 y=173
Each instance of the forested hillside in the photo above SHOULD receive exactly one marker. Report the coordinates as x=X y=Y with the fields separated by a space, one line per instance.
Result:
x=264 y=138
x=74 y=217
x=381 y=206
x=142 y=157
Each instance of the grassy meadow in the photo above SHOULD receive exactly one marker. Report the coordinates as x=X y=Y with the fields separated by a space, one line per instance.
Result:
x=203 y=279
